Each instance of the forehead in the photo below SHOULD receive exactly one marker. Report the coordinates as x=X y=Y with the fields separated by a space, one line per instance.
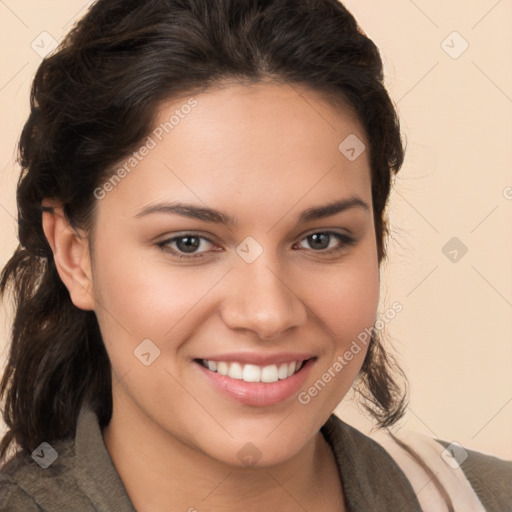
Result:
x=263 y=147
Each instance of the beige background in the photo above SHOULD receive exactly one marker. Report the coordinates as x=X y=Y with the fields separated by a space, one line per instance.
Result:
x=454 y=335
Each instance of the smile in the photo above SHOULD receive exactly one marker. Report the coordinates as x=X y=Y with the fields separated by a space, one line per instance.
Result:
x=272 y=381
x=252 y=372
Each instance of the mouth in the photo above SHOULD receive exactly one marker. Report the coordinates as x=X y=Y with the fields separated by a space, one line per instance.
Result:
x=253 y=373
x=255 y=385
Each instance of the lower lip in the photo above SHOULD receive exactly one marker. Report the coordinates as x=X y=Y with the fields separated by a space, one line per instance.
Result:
x=259 y=394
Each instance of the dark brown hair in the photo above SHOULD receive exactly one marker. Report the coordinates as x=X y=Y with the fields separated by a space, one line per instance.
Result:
x=94 y=100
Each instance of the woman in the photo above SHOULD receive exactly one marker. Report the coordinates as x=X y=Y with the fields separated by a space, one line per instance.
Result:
x=201 y=222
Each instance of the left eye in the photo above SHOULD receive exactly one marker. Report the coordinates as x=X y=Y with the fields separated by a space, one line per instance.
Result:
x=321 y=241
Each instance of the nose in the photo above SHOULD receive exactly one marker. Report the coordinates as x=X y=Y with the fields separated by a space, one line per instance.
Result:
x=261 y=300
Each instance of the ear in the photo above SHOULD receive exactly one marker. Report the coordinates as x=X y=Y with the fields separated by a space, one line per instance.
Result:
x=71 y=255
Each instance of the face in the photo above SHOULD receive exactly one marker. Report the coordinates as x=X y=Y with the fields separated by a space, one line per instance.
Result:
x=215 y=248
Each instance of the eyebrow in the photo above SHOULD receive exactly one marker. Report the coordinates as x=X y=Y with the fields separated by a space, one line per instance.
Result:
x=220 y=217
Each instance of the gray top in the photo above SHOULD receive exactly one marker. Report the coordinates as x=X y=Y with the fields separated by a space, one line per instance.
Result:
x=83 y=478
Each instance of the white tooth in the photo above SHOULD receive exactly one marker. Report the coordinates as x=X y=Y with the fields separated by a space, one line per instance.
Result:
x=251 y=373
x=269 y=373
x=212 y=365
x=283 y=371
x=235 y=371
x=222 y=368
x=299 y=365
x=291 y=368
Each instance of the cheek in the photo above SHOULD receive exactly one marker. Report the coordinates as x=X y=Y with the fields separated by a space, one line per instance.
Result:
x=139 y=300
x=346 y=299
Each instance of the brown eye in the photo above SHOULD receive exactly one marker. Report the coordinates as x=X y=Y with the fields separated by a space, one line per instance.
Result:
x=186 y=246
x=321 y=241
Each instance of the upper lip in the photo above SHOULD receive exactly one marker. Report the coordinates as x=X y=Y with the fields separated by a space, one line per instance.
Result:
x=259 y=359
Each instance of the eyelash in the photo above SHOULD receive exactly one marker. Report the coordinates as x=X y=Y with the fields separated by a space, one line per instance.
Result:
x=346 y=240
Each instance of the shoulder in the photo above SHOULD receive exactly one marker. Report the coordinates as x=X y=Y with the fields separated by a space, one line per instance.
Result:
x=370 y=477
x=13 y=498
x=29 y=486
x=22 y=478
x=70 y=474
x=473 y=480
x=489 y=476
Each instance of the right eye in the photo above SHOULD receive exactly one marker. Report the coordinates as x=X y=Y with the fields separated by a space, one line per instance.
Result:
x=185 y=246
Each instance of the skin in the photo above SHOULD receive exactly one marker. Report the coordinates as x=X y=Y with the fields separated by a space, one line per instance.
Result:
x=263 y=154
